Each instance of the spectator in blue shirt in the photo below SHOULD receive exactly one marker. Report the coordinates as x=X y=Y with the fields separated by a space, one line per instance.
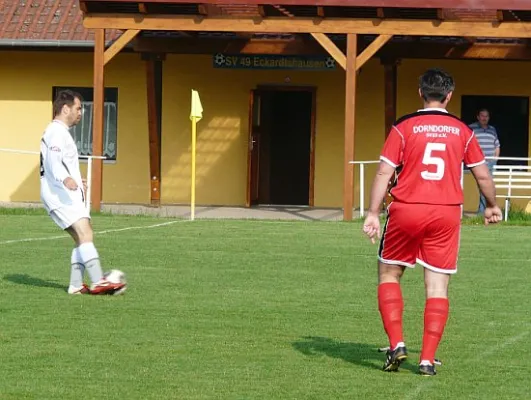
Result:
x=488 y=140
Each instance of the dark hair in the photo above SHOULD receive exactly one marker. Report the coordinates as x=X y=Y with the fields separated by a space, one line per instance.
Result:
x=64 y=97
x=483 y=109
x=435 y=84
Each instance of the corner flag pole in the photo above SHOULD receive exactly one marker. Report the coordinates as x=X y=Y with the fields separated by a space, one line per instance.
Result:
x=196 y=114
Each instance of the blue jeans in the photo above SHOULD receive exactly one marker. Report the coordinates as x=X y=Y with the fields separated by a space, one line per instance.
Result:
x=482 y=199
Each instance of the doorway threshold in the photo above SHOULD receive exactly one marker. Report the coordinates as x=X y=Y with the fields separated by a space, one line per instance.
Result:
x=282 y=206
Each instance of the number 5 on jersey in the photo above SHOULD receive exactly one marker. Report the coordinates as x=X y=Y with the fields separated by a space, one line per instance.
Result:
x=430 y=159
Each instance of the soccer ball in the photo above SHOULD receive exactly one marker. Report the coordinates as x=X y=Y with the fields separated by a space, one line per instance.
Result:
x=116 y=276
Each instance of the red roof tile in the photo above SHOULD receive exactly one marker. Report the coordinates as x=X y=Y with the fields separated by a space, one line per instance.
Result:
x=45 y=20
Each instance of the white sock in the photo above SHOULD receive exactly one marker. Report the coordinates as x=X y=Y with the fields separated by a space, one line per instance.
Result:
x=425 y=362
x=399 y=344
x=77 y=269
x=91 y=259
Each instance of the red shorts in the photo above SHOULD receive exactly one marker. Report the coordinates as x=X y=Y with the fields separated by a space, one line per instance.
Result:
x=421 y=233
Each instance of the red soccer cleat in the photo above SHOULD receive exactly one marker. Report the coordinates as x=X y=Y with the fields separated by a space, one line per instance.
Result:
x=106 y=287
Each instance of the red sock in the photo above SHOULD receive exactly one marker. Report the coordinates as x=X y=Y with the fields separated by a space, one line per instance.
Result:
x=391 y=306
x=435 y=317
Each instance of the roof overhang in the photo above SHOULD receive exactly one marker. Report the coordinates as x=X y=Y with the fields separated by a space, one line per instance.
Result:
x=326 y=16
x=455 y=4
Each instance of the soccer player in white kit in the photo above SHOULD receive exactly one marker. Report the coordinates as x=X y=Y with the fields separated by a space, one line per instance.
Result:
x=63 y=195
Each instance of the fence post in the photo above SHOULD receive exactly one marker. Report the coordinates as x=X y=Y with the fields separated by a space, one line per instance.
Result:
x=507 y=201
x=89 y=182
x=462 y=187
x=362 y=189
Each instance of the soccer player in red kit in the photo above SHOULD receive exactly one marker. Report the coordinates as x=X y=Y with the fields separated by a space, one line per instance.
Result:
x=424 y=219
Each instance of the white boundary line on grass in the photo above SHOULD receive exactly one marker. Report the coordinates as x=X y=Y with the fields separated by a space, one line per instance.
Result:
x=509 y=342
x=129 y=228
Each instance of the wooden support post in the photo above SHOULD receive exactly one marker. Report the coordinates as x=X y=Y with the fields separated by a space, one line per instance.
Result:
x=97 y=119
x=390 y=82
x=154 y=100
x=350 y=126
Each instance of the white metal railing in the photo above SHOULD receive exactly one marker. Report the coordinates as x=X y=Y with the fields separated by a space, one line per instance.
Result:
x=89 y=168
x=512 y=178
x=505 y=177
x=362 y=181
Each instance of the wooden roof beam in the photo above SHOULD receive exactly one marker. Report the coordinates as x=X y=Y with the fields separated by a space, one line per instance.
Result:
x=331 y=48
x=457 y=4
x=232 y=46
x=309 y=25
x=391 y=51
x=341 y=58
x=372 y=49
x=119 y=44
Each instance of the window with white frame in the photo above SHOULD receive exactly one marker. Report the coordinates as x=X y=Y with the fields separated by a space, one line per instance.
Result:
x=82 y=132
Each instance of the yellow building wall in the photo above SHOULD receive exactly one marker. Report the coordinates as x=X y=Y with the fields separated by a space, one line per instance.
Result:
x=26 y=81
x=222 y=136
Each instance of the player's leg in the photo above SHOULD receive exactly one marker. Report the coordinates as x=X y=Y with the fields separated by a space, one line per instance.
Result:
x=64 y=218
x=391 y=307
x=81 y=231
x=438 y=255
x=75 y=219
x=77 y=271
x=398 y=249
x=390 y=302
x=435 y=317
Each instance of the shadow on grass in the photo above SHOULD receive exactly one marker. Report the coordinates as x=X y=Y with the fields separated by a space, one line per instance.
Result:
x=23 y=279
x=361 y=354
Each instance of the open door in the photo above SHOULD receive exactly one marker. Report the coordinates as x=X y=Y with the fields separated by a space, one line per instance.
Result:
x=253 y=149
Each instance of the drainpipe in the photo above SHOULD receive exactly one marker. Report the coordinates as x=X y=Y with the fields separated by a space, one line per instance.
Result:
x=51 y=43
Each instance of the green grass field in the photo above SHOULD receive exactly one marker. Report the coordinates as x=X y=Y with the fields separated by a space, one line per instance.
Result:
x=251 y=310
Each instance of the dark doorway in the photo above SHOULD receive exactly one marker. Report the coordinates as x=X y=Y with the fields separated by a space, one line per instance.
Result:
x=281 y=147
x=510 y=116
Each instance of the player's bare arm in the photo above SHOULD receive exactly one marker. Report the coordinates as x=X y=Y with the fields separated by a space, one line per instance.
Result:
x=371 y=227
x=486 y=185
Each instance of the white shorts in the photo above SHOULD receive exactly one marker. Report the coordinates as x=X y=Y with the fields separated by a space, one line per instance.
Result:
x=66 y=216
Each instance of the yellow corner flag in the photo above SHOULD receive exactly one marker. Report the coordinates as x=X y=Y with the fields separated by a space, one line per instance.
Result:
x=196 y=113
x=197 y=109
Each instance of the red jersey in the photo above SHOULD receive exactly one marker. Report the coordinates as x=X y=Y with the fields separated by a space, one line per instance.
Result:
x=429 y=148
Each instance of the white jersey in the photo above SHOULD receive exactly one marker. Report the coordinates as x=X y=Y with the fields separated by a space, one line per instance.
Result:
x=59 y=160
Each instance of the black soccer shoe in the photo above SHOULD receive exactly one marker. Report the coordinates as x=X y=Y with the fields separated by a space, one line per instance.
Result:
x=394 y=359
x=427 y=370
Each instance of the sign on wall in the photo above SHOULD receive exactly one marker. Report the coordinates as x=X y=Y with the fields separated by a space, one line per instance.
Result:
x=269 y=61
